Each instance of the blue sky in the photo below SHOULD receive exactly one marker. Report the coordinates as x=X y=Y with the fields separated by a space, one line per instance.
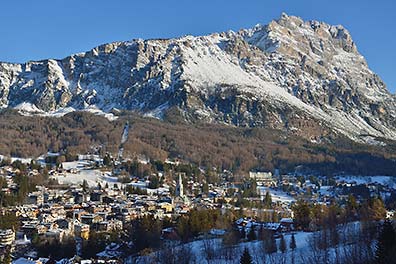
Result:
x=32 y=30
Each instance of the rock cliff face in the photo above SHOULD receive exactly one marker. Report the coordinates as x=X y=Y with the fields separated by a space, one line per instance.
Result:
x=306 y=77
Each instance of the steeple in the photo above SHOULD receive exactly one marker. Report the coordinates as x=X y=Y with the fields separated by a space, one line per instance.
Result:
x=179 y=186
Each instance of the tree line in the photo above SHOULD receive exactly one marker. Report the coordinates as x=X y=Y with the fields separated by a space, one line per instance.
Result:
x=206 y=145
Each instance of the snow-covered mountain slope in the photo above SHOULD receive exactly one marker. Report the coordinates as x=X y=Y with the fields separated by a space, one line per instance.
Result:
x=304 y=76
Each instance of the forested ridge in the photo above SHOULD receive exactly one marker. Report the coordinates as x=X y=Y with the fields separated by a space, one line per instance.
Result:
x=208 y=145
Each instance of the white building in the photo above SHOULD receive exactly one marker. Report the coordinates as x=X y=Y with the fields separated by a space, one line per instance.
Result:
x=264 y=178
x=179 y=186
x=7 y=237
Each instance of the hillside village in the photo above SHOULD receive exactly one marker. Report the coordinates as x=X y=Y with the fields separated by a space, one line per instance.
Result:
x=197 y=132
x=107 y=201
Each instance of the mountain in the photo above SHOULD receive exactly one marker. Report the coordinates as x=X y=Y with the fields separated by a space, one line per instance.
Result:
x=304 y=77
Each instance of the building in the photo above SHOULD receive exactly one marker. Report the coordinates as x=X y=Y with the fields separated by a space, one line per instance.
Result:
x=36 y=198
x=57 y=234
x=97 y=196
x=390 y=214
x=7 y=237
x=179 y=186
x=287 y=224
x=167 y=207
x=81 y=230
x=264 y=178
x=111 y=225
x=260 y=176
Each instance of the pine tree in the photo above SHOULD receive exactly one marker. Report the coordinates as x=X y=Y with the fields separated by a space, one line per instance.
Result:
x=107 y=160
x=85 y=185
x=386 y=245
x=253 y=188
x=334 y=236
x=7 y=258
x=243 y=233
x=302 y=214
x=267 y=200
x=232 y=238
x=377 y=209
x=246 y=258
x=351 y=208
x=252 y=234
x=270 y=244
x=293 y=244
x=282 y=245
x=273 y=246
x=205 y=188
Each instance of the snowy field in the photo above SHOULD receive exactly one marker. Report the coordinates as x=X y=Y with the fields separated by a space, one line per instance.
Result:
x=200 y=249
x=277 y=196
x=14 y=159
x=325 y=190
x=29 y=109
x=384 y=180
x=92 y=176
x=95 y=176
x=212 y=250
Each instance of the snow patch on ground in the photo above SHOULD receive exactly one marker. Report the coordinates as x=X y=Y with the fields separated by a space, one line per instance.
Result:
x=277 y=196
x=384 y=180
x=198 y=249
x=28 y=109
x=23 y=160
x=83 y=172
x=158 y=112
x=97 y=111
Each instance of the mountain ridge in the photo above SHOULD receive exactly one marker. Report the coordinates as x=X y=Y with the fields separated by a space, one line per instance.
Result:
x=306 y=77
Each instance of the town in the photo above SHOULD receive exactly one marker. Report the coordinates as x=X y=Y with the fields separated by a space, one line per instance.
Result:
x=97 y=208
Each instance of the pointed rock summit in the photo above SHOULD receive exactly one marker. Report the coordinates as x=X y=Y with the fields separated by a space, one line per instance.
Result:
x=306 y=77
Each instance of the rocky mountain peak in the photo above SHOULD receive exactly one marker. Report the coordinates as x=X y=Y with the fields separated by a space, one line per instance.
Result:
x=287 y=30
x=290 y=74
